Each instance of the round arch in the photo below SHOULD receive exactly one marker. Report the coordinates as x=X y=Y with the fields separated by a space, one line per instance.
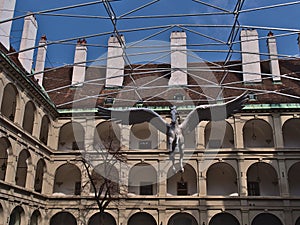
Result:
x=182 y=218
x=294 y=179
x=29 y=116
x=71 y=136
x=143 y=136
x=24 y=160
x=44 y=129
x=141 y=218
x=291 y=133
x=257 y=133
x=66 y=184
x=219 y=134
x=35 y=218
x=9 y=101
x=63 y=218
x=262 y=180
x=108 y=135
x=16 y=216
x=221 y=179
x=110 y=173
x=142 y=179
x=39 y=175
x=224 y=219
x=182 y=183
x=102 y=218
x=5 y=147
x=266 y=218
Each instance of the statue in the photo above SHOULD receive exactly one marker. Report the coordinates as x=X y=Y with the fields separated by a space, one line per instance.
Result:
x=176 y=130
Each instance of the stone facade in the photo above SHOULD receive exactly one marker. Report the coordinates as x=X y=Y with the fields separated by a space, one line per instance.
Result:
x=252 y=178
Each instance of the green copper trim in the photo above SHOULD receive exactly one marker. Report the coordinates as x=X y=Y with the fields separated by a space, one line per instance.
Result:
x=190 y=107
x=272 y=106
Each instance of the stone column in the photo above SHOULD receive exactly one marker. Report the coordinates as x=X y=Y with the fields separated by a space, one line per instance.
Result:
x=162 y=220
x=53 y=136
x=89 y=135
x=37 y=123
x=238 y=132
x=242 y=176
x=283 y=178
x=202 y=179
x=125 y=136
x=20 y=108
x=278 y=137
x=162 y=141
x=162 y=178
x=11 y=167
x=245 y=217
x=30 y=176
x=47 y=186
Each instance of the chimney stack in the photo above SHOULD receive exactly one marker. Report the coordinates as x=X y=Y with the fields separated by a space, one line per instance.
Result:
x=28 y=41
x=7 y=9
x=273 y=55
x=40 y=60
x=79 y=68
x=178 y=58
x=115 y=63
x=250 y=56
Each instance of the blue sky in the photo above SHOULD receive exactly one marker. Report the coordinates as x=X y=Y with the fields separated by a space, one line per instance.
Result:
x=59 y=27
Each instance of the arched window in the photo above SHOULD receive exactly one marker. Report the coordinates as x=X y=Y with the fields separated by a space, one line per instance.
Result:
x=63 y=218
x=143 y=136
x=44 y=129
x=182 y=183
x=39 y=175
x=142 y=179
x=35 y=218
x=219 y=134
x=103 y=218
x=182 y=218
x=294 y=179
x=107 y=135
x=29 y=116
x=262 y=180
x=224 y=219
x=105 y=176
x=4 y=146
x=266 y=218
x=66 y=184
x=22 y=168
x=16 y=216
x=221 y=179
x=71 y=137
x=291 y=133
x=9 y=101
x=141 y=218
x=257 y=133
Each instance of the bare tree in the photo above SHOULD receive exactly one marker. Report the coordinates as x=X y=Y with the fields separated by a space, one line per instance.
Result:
x=101 y=167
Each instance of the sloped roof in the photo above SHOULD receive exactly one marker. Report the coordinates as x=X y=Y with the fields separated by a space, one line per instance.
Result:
x=150 y=82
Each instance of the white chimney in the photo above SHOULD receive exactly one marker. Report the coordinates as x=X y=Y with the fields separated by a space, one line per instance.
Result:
x=7 y=9
x=40 y=60
x=28 y=41
x=274 y=63
x=178 y=59
x=79 y=67
x=115 y=63
x=250 y=56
